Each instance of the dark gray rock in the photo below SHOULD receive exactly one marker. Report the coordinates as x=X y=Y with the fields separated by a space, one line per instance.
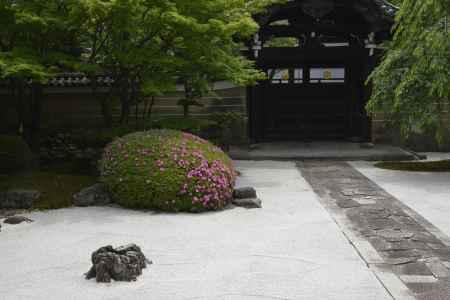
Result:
x=18 y=199
x=244 y=192
x=17 y=220
x=248 y=202
x=95 y=195
x=121 y=264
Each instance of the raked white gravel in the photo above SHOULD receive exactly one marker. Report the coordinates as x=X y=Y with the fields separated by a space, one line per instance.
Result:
x=289 y=249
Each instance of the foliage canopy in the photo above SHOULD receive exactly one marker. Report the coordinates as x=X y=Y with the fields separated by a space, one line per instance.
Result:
x=146 y=46
x=412 y=83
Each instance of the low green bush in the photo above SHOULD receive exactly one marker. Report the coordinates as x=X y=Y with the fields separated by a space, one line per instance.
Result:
x=99 y=138
x=15 y=155
x=84 y=146
x=230 y=129
x=167 y=170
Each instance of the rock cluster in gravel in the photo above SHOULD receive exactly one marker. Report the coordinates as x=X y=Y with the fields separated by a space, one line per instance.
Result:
x=96 y=195
x=18 y=199
x=14 y=220
x=120 y=264
x=246 y=197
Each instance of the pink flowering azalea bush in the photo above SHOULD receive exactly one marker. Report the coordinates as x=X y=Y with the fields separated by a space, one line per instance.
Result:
x=167 y=170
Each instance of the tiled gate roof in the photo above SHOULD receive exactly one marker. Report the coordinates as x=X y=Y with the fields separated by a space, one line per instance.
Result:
x=78 y=80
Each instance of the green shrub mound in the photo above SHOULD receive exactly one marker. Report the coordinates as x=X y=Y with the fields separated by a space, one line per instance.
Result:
x=167 y=170
x=15 y=155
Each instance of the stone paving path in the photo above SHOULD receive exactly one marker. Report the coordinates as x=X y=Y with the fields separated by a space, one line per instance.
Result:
x=406 y=243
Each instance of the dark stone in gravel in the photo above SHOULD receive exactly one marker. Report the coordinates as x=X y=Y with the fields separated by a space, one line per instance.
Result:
x=96 y=195
x=18 y=199
x=10 y=212
x=17 y=220
x=244 y=192
x=121 y=264
x=248 y=202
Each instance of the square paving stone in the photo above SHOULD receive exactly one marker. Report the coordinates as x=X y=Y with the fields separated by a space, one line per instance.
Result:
x=443 y=254
x=437 y=268
x=407 y=245
x=347 y=203
x=395 y=235
x=413 y=253
x=400 y=261
x=425 y=237
x=436 y=246
x=418 y=278
x=365 y=201
x=422 y=287
x=438 y=291
x=415 y=268
x=379 y=243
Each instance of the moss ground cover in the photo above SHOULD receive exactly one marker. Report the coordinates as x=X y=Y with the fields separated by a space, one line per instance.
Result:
x=57 y=188
x=15 y=155
x=168 y=170
x=427 y=166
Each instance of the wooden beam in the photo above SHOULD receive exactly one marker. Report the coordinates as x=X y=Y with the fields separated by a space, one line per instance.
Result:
x=298 y=29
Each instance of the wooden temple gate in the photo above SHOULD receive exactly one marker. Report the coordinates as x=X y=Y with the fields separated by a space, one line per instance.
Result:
x=316 y=88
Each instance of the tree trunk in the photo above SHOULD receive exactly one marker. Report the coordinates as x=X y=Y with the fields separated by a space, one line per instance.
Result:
x=150 y=109
x=185 y=111
x=135 y=100
x=124 y=92
x=104 y=102
x=18 y=93
x=188 y=97
x=125 y=110
x=106 y=111
x=36 y=106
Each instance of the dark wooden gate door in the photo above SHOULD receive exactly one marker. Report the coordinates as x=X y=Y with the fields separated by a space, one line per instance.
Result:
x=306 y=102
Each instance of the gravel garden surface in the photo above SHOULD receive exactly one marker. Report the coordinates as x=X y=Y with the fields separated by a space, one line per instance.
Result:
x=289 y=249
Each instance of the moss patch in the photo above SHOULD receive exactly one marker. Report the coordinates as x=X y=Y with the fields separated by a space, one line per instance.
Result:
x=15 y=156
x=56 y=188
x=425 y=166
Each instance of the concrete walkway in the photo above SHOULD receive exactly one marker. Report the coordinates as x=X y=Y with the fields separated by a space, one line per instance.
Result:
x=388 y=235
x=289 y=249
x=426 y=193
x=288 y=151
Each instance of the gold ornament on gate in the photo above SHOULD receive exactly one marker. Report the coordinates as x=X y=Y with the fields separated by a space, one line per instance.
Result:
x=285 y=75
x=327 y=75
